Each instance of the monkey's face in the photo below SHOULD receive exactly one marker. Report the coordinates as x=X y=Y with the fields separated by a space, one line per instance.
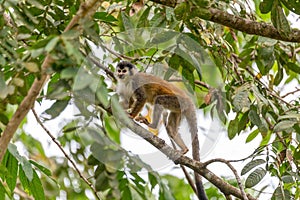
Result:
x=124 y=70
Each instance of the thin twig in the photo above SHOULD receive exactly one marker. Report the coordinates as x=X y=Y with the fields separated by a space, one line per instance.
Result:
x=272 y=93
x=290 y=93
x=150 y=60
x=237 y=177
x=105 y=69
x=120 y=56
x=65 y=154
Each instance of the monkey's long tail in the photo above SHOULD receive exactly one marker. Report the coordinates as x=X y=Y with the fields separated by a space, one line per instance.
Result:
x=192 y=122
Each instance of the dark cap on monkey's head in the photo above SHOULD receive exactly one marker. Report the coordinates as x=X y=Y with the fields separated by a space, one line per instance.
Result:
x=124 y=64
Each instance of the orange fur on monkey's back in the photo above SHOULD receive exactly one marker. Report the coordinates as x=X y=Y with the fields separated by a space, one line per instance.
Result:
x=155 y=86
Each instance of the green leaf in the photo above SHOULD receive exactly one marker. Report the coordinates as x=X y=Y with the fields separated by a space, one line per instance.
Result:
x=293 y=5
x=108 y=154
x=100 y=168
x=126 y=194
x=189 y=76
x=284 y=125
x=71 y=34
x=241 y=100
x=201 y=3
x=153 y=180
x=243 y=122
x=265 y=6
x=259 y=95
x=69 y=73
x=279 y=76
x=22 y=160
x=233 y=128
x=52 y=44
x=36 y=187
x=180 y=10
x=176 y=184
x=82 y=80
x=143 y=20
x=112 y=129
x=57 y=108
x=249 y=166
x=279 y=20
x=288 y=179
x=266 y=139
x=23 y=179
x=278 y=195
x=294 y=67
x=105 y=17
x=43 y=169
x=255 y=177
x=2 y=192
x=174 y=61
x=102 y=182
x=3 y=86
x=127 y=23
x=33 y=186
x=202 y=13
x=102 y=94
x=290 y=116
x=92 y=160
x=265 y=59
x=157 y=20
x=252 y=135
x=163 y=36
x=4 y=119
x=12 y=169
x=28 y=170
x=165 y=193
x=254 y=117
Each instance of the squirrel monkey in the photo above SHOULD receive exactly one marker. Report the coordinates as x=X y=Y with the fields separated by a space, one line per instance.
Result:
x=136 y=89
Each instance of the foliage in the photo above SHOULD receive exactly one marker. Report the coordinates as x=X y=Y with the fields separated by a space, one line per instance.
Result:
x=246 y=76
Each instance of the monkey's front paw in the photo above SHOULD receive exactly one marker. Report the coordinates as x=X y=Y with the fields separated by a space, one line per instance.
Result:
x=142 y=119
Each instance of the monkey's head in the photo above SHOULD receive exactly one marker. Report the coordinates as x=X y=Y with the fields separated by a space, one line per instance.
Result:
x=125 y=69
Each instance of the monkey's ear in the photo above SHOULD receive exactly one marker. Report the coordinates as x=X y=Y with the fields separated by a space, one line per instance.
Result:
x=134 y=70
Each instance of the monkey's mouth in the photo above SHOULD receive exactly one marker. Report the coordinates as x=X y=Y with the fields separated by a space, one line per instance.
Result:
x=121 y=76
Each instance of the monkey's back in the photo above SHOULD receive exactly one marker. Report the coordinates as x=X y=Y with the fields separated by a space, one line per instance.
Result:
x=155 y=86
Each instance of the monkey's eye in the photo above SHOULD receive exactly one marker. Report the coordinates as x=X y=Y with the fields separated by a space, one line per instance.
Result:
x=122 y=71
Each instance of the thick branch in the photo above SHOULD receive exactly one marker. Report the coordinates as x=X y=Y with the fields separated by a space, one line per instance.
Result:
x=242 y=24
x=86 y=9
x=175 y=155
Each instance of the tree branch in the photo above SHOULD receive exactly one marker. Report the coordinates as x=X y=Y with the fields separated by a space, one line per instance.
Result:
x=86 y=9
x=175 y=155
x=237 y=177
x=242 y=24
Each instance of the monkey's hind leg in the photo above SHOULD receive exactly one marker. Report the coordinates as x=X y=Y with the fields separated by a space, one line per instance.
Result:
x=172 y=130
x=162 y=102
